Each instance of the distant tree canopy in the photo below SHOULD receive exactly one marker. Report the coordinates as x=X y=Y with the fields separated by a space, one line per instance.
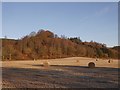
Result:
x=76 y=40
x=46 y=44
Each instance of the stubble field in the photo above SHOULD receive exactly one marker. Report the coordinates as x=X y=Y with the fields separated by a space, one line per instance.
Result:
x=62 y=73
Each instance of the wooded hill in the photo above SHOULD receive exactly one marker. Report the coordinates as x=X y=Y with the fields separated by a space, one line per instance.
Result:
x=46 y=44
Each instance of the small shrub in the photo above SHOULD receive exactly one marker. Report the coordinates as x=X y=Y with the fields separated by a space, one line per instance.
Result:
x=91 y=65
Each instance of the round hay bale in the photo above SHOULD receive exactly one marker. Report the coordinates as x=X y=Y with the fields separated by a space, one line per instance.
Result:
x=46 y=64
x=109 y=61
x=91 y=65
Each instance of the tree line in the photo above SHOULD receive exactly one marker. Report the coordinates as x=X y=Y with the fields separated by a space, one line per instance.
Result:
x=46 y=45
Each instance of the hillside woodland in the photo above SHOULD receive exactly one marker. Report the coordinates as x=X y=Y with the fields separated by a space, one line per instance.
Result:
x=45 y=44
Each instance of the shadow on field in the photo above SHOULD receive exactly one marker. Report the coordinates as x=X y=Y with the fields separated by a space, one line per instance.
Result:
x=81 y=67
x=60 y=77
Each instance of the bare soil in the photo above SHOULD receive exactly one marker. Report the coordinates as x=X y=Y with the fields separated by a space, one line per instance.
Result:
x=62 y=73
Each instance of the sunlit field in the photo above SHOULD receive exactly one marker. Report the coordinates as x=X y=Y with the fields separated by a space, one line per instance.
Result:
x=60 y=73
